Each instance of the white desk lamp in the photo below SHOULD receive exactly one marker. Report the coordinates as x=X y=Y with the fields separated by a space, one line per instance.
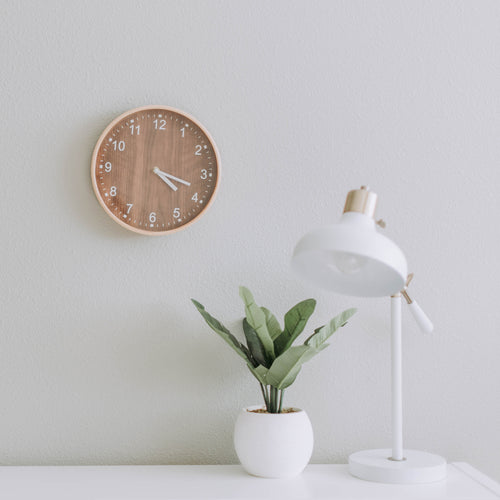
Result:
x=352 y=258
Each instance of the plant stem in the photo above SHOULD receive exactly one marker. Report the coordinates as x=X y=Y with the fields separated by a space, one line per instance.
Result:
x=264 y=393
x=274 y=400
x=281 y=400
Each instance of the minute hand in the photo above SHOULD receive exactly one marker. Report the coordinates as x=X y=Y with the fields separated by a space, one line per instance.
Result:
x=164 y=178
x=170 y=176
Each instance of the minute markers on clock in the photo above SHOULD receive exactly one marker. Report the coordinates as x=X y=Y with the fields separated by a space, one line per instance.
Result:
x=124 y=159
x=166 y=178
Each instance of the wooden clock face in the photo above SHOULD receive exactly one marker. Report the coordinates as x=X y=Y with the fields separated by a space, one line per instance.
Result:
x=155 y=170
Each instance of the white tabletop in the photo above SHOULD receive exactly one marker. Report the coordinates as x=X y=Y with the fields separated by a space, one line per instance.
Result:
x=227 y=482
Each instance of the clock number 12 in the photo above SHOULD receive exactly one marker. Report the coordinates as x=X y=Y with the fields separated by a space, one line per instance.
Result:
x=160 y=124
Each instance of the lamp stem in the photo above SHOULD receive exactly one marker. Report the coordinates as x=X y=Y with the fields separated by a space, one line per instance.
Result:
x=396 y=375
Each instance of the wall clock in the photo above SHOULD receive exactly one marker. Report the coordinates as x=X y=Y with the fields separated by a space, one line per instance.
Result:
x=155 y=170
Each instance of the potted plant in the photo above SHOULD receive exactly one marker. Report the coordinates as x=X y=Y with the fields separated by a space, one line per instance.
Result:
x=274 y=440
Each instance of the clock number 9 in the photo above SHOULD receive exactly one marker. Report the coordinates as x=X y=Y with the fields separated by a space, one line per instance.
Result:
x=108 y=166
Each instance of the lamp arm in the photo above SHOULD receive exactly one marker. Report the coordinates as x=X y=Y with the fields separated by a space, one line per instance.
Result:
x=421 y=318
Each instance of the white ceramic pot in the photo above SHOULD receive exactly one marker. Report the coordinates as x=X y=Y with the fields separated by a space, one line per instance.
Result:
x=277 y=445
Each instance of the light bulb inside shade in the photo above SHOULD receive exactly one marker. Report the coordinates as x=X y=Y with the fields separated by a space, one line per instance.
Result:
x=347 y=263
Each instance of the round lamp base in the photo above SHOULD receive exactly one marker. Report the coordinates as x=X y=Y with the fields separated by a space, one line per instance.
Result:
x=418 y=467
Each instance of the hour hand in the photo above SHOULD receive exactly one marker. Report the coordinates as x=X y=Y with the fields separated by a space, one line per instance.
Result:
x=164 y=178
x=176 y=179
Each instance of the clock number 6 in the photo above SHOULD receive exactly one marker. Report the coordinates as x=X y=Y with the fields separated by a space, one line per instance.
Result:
x=152 y=217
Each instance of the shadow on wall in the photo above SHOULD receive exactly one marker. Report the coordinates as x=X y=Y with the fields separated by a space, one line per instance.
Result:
x=75 y=186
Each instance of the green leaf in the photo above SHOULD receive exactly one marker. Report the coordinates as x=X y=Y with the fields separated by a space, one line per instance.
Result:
x=223 y=332
x=321 y=334
x=286 y=367
x=273 y=326
x=259 y=372
x=248 y=354
x=295 y=321
x=257 y=320
x=254 y=344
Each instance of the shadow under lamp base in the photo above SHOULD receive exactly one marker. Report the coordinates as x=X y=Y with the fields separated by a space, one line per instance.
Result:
x=417 y=467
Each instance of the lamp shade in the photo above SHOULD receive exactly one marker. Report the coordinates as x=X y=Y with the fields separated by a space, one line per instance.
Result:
x=351 y=258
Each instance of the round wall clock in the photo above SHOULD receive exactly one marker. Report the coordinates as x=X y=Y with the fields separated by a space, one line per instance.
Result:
x=155 y=170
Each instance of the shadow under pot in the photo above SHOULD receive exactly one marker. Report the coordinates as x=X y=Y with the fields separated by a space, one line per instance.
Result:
x=274 y=445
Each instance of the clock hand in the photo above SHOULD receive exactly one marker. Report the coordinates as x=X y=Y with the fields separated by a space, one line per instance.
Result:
x=170 y=176
x=163 y=177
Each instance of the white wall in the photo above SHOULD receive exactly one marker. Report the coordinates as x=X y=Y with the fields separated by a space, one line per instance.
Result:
x=103 y=357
